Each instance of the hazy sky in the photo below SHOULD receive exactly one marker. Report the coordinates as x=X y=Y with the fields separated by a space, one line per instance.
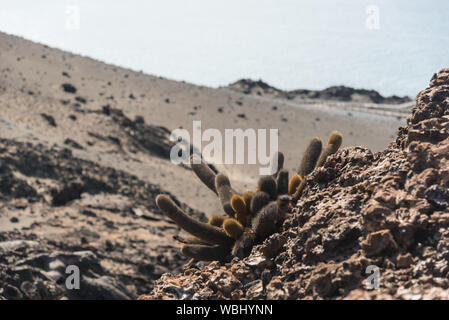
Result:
x=288 y=43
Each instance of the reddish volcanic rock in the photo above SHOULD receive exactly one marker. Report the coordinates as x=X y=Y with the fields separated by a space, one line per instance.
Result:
x=388 y=209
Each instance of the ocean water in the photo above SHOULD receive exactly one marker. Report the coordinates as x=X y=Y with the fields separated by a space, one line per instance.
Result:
x=393 y=46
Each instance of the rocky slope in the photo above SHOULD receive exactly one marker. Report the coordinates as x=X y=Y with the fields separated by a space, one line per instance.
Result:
x=58 y=210
x=336 y=93
x=387 y=209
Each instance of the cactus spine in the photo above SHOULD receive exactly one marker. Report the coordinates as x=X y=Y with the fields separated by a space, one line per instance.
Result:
x=297 y=194
x=242 y=247
x=293 y=184
x=225 y=192
x=333 y=144
x=259 y=200
x=268 y=184
x=198 y=229
x=242 y=213
x=310 y=157
x=280 y=162
x=282 y=182
x=203 y=172
x=216 y=220
x=233 y=228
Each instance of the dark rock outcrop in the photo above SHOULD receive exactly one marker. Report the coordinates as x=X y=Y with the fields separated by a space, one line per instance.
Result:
x=69 y=88
x=335 y=93
x=66 y=211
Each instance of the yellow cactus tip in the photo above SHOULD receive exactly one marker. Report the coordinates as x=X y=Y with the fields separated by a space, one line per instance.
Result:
x=222 y=180
x=293 y=184
x=216 y=220
x=233 y=228
x=238 y=203
x=335 y=138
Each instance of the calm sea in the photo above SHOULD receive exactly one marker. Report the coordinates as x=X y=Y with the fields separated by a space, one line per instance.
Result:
x=393 y=46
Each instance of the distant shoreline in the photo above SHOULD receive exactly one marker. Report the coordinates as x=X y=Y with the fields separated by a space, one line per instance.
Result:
x=335 y=93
